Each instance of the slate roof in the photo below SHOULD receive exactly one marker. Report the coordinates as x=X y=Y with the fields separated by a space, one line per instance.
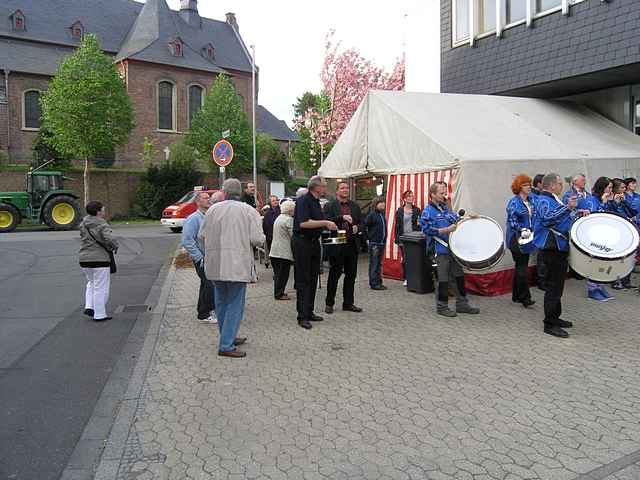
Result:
x=267 y=122
x=48 y=21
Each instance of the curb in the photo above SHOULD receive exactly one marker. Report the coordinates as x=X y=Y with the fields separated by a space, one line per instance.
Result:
x=127 y=379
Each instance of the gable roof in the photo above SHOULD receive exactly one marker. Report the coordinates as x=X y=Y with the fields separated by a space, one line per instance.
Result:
x=267 y=122
x=113 y=22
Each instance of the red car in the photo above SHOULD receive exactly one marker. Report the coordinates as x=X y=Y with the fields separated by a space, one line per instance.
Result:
x=174 y=215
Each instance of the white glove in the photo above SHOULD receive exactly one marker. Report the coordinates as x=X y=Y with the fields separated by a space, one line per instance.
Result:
x=525 y=233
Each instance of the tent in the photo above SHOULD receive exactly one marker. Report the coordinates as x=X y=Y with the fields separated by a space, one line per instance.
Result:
x=477 y=143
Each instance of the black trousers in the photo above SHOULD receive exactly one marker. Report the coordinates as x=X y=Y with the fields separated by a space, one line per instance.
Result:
x=306 y=253
x=206 y=298
x=281 y=267
x=520 y=286
x=556 y=264
x=345 y=260
x=540 y=268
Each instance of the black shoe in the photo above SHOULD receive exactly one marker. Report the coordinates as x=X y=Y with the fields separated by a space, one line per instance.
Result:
x=102 y=319
x=446 y=312
x=305 y=324
x=617 y=286
x=379 y=287
x=328 y=309
x=89 y=312
x=563 y=323
x=556 y=331
x=316 y=318
x=541 y=287
x=528 y=303
x=232 y=354
x=351 y=308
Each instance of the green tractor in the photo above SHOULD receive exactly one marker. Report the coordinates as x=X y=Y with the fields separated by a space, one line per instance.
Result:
x=45 y=201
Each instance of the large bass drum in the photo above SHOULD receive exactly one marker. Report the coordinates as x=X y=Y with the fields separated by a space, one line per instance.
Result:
x=603 y=247
x=477 y=243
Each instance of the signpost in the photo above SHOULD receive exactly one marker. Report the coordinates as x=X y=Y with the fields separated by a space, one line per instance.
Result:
x=222 y=154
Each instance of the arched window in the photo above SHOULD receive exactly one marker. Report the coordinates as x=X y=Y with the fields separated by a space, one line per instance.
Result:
x=77 y=30
x=31 y=111
x=166 y=103
x=18 y=21
x=196 y=100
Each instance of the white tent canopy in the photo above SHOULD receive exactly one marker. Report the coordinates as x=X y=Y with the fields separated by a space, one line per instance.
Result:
x=486 y=139
x=402 y=132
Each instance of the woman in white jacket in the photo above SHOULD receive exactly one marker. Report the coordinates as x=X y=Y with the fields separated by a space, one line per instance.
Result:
x=280 y=253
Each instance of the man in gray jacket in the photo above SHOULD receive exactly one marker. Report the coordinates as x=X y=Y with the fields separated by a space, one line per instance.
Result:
x=229 y=232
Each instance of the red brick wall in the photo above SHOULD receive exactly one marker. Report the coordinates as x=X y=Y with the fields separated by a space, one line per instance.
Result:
x=21 y=141
x=142 y=79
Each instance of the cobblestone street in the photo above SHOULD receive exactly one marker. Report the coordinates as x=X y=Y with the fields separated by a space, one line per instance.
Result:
x=395 y=392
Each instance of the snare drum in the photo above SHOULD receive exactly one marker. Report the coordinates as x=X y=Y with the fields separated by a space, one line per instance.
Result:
x=477 y=243
x=603 y=246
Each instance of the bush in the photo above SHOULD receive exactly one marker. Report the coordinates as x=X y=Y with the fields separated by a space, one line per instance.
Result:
x=161 y=185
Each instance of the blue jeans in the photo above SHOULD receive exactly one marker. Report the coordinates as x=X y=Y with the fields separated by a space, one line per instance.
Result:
x=375 y=265
x=230 y=310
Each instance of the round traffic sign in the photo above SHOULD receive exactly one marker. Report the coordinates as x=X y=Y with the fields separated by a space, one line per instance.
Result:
x=222 y=153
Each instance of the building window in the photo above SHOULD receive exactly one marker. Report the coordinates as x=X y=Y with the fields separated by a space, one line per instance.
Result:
x=31 y=110
x=636 y=121
x=486 y=15
x=461 y=23
x=196 y=100
x=77 y=30
x=166 y=103
x=18 y=21
x=176 y=48
x=209 y=52
x=543 y=5
x=3 y=92
x=516 y=10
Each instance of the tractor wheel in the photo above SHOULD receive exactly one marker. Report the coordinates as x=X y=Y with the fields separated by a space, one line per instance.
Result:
x=62 y=213
x=9 y=218
x=176 y=229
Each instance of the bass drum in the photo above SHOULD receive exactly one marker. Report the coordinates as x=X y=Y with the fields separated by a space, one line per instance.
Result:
x=477 y=243
x=603 y=247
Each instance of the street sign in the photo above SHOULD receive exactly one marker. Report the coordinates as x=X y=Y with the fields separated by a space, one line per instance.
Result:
x=222 y=153
x=226 y=134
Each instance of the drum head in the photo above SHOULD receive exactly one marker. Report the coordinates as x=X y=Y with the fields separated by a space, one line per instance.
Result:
x=605 y=235
x=476 y=239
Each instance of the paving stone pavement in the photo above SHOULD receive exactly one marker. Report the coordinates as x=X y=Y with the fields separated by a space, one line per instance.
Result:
x=395 y=392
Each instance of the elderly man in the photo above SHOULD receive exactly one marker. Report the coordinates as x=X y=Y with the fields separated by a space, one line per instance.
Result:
x=229 y=232
x=308 y=223
x=578 y=190
x=190 y=229
x=249 y=195
x=552 y=223
x=301 y=192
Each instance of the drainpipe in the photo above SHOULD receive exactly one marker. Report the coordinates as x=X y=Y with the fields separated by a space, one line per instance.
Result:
x=6 y=92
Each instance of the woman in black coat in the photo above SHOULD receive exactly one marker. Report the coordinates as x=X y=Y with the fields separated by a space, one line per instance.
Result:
x=407 y=217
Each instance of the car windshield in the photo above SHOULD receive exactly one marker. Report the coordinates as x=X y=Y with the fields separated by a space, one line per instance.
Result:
x=187 y=198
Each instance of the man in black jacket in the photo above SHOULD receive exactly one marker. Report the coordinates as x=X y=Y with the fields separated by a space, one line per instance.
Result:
x=347 y=216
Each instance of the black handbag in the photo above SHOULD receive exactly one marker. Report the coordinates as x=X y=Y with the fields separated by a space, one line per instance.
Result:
x=113 y=268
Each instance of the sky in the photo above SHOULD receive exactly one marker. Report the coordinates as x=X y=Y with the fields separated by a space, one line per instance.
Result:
x=289 y=40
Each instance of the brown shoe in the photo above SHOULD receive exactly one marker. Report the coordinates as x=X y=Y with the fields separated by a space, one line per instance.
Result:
x=240 y=341
x=232 y=354
x=284 y=296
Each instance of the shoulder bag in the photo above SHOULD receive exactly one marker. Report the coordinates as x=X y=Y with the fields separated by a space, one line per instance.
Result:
x=112 y=258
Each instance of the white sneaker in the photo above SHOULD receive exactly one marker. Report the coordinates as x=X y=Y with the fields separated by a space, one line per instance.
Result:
x=210 y=320
x=404 y=284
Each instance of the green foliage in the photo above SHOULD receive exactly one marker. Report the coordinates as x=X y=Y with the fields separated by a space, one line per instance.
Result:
x=222 y=110
x=273 y=161
x=105 y=160
x=149 y=152
x=306 y=154
x=44 y=152
x=161 y=185
x=307 y=101
x=86 y=107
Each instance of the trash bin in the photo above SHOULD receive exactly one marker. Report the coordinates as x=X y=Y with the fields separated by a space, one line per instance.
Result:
x=418 y=268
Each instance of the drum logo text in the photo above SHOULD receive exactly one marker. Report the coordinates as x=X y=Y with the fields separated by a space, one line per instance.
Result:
x=602 y=248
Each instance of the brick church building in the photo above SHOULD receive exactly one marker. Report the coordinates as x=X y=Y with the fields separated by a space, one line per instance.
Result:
x=168 y=60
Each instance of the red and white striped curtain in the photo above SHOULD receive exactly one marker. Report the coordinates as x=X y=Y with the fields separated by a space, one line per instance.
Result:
x=419 y=184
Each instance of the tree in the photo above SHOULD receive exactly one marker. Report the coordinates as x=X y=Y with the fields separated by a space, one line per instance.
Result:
x=222 y=110
x=272 y=159
x=346 y=77
x=86 y=108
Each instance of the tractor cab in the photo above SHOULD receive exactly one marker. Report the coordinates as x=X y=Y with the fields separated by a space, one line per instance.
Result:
x=40 y=184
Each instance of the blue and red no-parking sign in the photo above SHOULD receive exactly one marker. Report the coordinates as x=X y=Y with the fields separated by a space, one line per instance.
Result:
x=222 y=153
